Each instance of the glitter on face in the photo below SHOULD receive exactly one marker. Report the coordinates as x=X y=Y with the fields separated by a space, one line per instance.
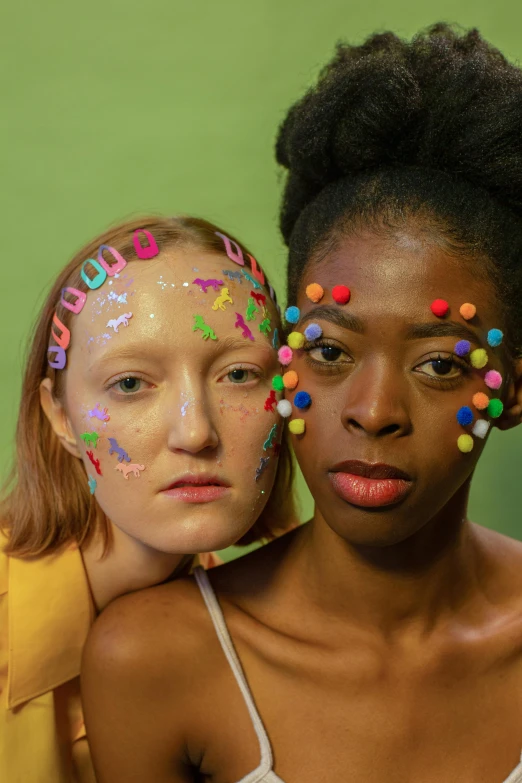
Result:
x=184 y=407
x=185 y=285
x=152 y=315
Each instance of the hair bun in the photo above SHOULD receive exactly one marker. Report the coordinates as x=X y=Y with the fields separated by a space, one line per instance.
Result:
x=444 y=101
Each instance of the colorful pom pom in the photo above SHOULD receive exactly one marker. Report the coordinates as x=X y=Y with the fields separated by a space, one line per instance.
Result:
x=463 y=347
x=297 y=426
x=495 y=337
x=480 y=401
x=481 y=427
x=277 y=383
x=313 y=332
x=468 y=311
x=495 y=408
x=284 y=408
x=465 y=416
x=314 y=292
x=439 y=307
x=291 y=379
x=493 y=379
x=296 y=340
x=465 y=443
x=478 y=358
x=292 y=314
x=341 y=294
x=302 y=400
x=285 y=355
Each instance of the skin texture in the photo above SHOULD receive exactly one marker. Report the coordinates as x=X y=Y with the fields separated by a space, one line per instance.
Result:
x=185 y=414
x=379 y=644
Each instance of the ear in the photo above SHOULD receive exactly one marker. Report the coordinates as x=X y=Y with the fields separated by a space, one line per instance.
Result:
x=57 y=417
x=512 y=413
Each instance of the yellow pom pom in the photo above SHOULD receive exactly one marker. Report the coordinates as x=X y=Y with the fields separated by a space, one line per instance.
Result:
x=314 y=292
x=478 y=358
x=296 y=340
x=465 y=443
x=297 y=426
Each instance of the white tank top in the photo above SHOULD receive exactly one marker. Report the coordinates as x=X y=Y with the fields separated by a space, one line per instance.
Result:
x=264 y=773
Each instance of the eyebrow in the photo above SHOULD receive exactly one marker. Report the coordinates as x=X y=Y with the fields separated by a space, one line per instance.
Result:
x=415 y=332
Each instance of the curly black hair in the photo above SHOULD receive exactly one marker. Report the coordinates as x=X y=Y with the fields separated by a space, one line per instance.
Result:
x=429 y=130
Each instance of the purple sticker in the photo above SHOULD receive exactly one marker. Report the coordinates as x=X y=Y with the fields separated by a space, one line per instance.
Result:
x=98 y=413
x=215 y=284
x=240 y=324
x=115 y=449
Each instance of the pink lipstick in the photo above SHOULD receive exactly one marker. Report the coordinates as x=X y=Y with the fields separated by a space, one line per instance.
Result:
x=369 y=485
x=194 y=488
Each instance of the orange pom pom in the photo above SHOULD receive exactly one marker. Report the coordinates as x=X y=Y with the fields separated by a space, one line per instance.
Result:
x=468 y=311
x=314 y=292
x=291 y=379
x=480 y=401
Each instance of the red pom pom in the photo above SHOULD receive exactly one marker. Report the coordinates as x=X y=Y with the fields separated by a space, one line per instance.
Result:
x=439 y=307
x=341 y=294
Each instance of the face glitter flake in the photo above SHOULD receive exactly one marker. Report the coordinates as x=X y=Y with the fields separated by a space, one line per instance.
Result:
x=480 y=401
x=341 y=295
x=463 y=347
x=296 y=340
x=468 y=311
x=465 y=416
x=495 y=337
x=284 y=408
x=465 y=443
x=302 y=400
x=481 y=428
x=233 y=275
x=292 y=315
x=478 y=358
x=493 y=379
x=126 y=470
x=199 y=323
x=297 y=426
x=313 y=332
x=285 y=355
x=495 y=408
x=439 y=307
x=290 y=379
x=314 y=292
x=251 y=280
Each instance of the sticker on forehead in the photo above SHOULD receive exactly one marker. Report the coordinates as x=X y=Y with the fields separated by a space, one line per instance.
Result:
x=240 y=324
x=205 y=284
x=251 y=310
x=148 y=251
x=118 y=263
x=223 y=299
x=90 y=438
x=126 y=470
x=251 y=280
x=260 y=299
x=199 y=323
x=96 y=281
x=256 y=270
x=235 y=256
x=262 y=467
x=265 y=326
x=233 y=275
x=64 y=338
x=123 y=320
x=98 y=413
x=115 y=449
x=58 y=363
x=80 y=299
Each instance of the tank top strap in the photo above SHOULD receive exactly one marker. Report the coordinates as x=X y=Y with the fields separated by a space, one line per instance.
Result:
x=227 y=644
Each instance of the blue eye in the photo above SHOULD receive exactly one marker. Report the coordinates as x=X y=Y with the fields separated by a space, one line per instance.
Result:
x=128 y=385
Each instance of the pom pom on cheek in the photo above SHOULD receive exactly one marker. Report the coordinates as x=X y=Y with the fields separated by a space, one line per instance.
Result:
x=297 y=426
x=285 y=354
x=495 y=408
x=302 y=400
x=292 y=315
x=481 y=428
x=277 y=383
x=480 y=401
x=465 y=416
x=284 y=408
x=493 y=379
x=314 y=292
x=465 y=443
x=313 y=332
x=296 y=340
x=478 y=358
x=290 y=379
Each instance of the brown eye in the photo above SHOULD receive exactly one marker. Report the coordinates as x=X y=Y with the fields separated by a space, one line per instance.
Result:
x=325 y=353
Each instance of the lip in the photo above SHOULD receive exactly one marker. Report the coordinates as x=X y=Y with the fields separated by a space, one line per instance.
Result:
x=197 y=488
x=370 y=484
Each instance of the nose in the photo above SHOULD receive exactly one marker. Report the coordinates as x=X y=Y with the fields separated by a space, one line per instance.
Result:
x=191 y=423
x=376 y=403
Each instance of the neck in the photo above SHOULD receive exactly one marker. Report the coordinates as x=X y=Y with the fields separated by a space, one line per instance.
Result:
x=128 y=566
x=415 y=583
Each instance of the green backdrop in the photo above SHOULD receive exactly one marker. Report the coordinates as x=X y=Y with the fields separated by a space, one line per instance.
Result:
x=113 y=108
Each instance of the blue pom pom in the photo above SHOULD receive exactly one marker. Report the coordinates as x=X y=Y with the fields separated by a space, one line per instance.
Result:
x=292 y=314
x=465 y=416
x=463 y=347
x=302 y=399
x=313 y=332
x=495 y=337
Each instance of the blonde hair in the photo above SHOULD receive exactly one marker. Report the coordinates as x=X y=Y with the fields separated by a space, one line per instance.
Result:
x=46 y=502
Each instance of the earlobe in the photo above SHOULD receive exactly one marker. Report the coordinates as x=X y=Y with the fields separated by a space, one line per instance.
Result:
x=512 y=413
x=57 y=417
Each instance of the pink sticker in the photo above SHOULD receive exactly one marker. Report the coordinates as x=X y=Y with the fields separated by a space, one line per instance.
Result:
x=147 y=251
x=96 y=281
x=256 y=270
x=236 y=257
x=61 y=357
x=126 y=470
x=77 y=306
x=64 y=338
x=119 y=261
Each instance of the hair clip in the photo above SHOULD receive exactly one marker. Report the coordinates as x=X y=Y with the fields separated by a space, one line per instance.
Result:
x=60 y=360
x=439 y=307
x=119 y=262
x=314 y=292
x=80 y=299
x=256 y=270
x=237 y=256
x=64 y=338
x=150 y=250
x=199 y=323
x=98 y=280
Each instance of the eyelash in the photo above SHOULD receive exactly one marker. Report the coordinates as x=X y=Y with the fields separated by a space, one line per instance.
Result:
x=336 y=367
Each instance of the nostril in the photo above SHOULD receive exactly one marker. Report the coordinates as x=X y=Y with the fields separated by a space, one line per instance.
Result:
x=389 y=429
x=355 y=424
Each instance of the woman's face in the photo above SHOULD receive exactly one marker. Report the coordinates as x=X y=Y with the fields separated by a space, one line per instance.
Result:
x=171 y=424
x=386 y=385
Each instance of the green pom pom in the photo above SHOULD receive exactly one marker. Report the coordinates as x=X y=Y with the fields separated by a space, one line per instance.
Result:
x=277 y=383
x=495 y=408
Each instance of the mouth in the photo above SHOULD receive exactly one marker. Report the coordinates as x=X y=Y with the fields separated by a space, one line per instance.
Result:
x=197 y=488
x=370 y=485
